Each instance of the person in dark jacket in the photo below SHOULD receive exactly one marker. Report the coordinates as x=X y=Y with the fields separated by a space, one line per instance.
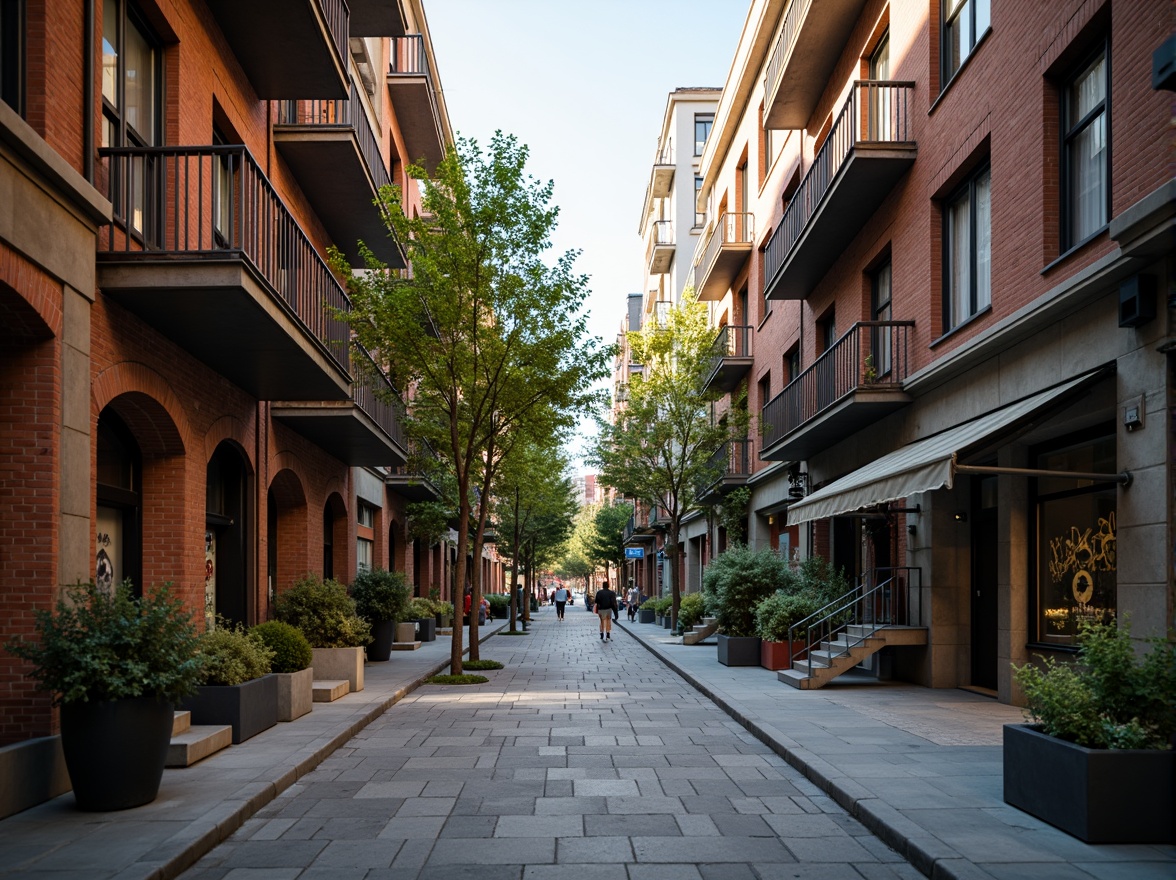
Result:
x=606 y=603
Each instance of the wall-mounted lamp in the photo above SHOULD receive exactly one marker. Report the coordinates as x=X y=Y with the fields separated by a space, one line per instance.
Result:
x=911 y=529
x=960 y=516
x=798 y=484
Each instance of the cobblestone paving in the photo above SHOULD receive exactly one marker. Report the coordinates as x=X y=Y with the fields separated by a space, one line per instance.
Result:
x=579 y=759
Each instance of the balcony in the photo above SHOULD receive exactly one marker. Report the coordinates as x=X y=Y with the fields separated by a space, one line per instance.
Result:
x=729 y=469
x=204 y=250
x=377 y=18
x=333 y=152
x=661 y=179
x=288 y=48
x=803 y=59
x=852 y=385
x=728 y=245
x=731 y=358
x=414 y=98
x=408 y=482
x=364 y=431
x=868 y=149
x=660 y=254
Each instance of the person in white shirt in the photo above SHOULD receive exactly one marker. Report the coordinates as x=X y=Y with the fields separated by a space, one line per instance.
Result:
x=561 y=599
x=632 y=599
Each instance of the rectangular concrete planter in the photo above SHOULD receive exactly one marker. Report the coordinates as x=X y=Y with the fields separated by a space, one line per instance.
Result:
x=645 y=615
x=1097 y=795
x=332 y=664
x=778 y=655
x=406 y=631
x=426 y=630
x=739 y=650
x=295 y=693
x=249 y=708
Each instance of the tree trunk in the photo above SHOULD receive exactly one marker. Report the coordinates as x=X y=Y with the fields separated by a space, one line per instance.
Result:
x=463 y=540
x=672 y=574
x=514 y=569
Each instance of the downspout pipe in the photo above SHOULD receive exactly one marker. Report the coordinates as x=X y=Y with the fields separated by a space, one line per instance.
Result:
x=88 y=95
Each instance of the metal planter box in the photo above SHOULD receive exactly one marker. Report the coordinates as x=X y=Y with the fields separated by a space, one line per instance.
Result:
x=249 y=708
x=1097 y=795
x=739 y=650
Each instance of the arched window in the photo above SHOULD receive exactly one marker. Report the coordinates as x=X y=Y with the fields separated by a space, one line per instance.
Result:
x=118 y=553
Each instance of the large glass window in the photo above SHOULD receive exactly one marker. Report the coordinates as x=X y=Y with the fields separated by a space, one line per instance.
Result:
x=964 y=23
x=1076 y=569
x=880 y=338
x=365 y=540
x=1085 y=165
x=967 y=242
x=702 y=127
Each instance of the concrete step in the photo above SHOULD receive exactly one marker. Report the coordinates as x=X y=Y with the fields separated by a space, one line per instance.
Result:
x=698 y=632
x=197 y=743
x=405 y=646
x=329 y=691
x=181 y=721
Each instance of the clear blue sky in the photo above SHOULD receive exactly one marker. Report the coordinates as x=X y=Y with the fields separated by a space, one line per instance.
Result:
x=583 y=83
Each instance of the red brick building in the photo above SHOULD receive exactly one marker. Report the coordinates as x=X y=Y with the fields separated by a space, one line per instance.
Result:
x=177 y=399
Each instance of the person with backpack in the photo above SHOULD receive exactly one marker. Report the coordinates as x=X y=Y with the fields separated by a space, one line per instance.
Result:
x=606 y=605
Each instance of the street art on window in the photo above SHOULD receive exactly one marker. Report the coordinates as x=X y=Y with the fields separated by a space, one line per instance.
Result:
x=210 y=578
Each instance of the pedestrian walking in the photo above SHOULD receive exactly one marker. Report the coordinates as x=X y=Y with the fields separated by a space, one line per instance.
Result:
x=606 y=607
x=561 y=599
x=632 y=599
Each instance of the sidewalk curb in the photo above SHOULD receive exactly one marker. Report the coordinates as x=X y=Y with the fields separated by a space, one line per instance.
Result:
x=929 y=855
x=190 y=853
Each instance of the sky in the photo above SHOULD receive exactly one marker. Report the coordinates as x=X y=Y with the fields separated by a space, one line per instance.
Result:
x=584 y=84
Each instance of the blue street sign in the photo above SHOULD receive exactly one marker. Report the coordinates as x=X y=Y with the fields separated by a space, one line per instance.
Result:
x=634 y=552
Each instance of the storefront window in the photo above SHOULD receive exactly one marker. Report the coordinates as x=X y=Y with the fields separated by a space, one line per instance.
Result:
x=1076 y=542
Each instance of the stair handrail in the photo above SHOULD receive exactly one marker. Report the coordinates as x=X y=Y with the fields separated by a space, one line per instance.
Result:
x=821 y=619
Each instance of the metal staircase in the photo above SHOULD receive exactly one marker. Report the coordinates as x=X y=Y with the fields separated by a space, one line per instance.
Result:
x=875 y=614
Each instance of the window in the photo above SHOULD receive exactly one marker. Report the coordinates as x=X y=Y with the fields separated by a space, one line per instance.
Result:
x=967 y=250
x=881 y=343
x=12 y=54
x=765 y=390
x=881 y=127
x=964 y=22
x=365 y=540
x=1085 y=165
x=699 y=216
x=1076 y=566
x=826 y=331
x=702 y=127
x=792 y=364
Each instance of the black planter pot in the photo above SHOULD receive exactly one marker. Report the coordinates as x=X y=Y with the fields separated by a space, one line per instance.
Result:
x=667 y=620
x=426 y=630
x=739 y=650
x=1097 y=795
x=115 y=751
x=645 y=615
x=249 y=708
x=383 y=634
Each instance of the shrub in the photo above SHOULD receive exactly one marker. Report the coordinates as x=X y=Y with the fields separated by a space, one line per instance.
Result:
x=232 y=655
x=1110 y=699
x=499 y=605
x=292 y=652
x=443 y=608
x=380 y=595
x=420 y=609
x=817 y=576
x=457 y=679
x=109 y=646
x=777 y=612
x=691 y=610
x=324 y=613
x=481 y=665
x=664 y=605
x=738 y=580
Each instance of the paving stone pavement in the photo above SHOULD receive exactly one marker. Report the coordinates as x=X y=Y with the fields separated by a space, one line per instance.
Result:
x=580 y=759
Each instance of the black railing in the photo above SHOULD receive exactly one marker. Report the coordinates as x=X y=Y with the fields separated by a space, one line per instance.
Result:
x=733 y=341
x=338 y=18
x=873 y=354
x=731 y=229
x=788 y=30
x=875 y=112
x=409 y=56
x=883 y=598
x=375 y=395
x=733 y=459
x=215 y=202
x=333 y=115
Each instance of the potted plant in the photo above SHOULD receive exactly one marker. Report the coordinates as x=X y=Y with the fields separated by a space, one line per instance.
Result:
x=773 y=616
x=735 y=583
x=500 y=606
x=1096 y=759
x=236 y=687
x=691 y=610
x=422 y=613
x=116 y=664
x=326 y=615
x=381 y=598
x=290 y=667
x=443 y=613
x=647 y=611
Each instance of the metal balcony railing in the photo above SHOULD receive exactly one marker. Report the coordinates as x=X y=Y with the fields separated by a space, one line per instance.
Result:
x=409 y=56
x=375 y=395
x=665 y=153
x=730 y=229
x=732 y=459
x=872 y=354
x=662 y=233
x=215 y=202
x=875 y=112
x=783 y=48
x=328 y=114
x=338 y=18
x=733 y=341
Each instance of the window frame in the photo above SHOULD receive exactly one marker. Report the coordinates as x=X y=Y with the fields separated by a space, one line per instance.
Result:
x=1068 y=132
x=707 y=119
x=881 y=341
x=967 y=190
x=966 y=7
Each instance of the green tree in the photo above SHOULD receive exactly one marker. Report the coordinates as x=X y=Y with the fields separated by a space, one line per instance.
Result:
x=658 y=449
x=487 y=331
x=576 y=561
x=606 y=542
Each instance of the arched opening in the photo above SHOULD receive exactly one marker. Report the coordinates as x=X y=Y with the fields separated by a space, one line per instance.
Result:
x=226 y=536
x=119 y=526
x=334 y=538
x=287 y=550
